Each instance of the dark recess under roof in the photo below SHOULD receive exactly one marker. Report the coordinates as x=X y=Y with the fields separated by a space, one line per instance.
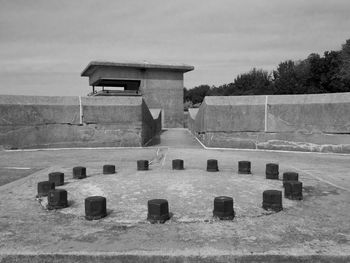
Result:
x=127 y=84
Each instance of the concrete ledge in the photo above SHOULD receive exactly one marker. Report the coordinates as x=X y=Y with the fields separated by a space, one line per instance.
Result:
x=122 y=258
x=337 y=143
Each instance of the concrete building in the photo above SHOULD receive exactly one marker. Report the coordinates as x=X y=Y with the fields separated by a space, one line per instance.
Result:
x=160 y=85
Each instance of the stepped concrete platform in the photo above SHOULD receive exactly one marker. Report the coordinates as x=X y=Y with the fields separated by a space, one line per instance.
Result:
x=315 y=229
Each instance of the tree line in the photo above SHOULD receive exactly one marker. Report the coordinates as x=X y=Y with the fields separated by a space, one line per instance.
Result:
x=316 y=74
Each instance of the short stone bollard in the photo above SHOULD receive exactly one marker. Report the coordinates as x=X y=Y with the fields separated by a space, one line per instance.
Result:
x=57 y=199
x=223 y=208
x=79 y=172
x=290 y=176
x=158 y=211
x=244 y=167
x=57 y=178
x=272 y=171
x=142 y=165
x=212 y=165
x=95 y=207
x=272 y=200
x=293 y=190
x=44 y=187
x=178 y=164
x=109 y=169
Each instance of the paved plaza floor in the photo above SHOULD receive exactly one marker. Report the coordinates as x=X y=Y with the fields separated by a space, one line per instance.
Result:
x=315 y=229
x=175 y=138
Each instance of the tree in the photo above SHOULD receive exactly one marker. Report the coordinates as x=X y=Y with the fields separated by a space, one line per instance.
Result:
x=197 y=94
x=315 y=74
x=255 y=82
x=331 y=79
x=285 y=78
x=344 y=72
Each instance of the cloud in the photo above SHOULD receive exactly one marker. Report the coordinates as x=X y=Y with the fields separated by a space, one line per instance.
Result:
x=220 y=38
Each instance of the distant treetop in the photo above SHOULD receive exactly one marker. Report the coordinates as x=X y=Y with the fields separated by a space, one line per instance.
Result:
x=315 y=74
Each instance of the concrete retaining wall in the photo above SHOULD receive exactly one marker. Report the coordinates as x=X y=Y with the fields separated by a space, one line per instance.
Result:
x=157 y=117
x=319 y=122
x=326 y=113
x=192 y=113
x=151 y=124
x=44 y=122
x=31 y=110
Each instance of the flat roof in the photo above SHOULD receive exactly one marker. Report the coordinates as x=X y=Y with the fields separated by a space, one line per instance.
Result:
x=91 y=67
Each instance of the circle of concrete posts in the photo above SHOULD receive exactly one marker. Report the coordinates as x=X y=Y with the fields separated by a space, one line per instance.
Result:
x=272 y=171
x=272 y=200
x=142 y=165
x=293 y=190
x=57 y=178
x=178 y=164
x=158 y=211
x=95 y=207
x=109 y=169
x=223 y=208
x=79 y=172
x=44 y=187
x=290 y=176
x=212 y=165
x=244 y=167
x=57 y=199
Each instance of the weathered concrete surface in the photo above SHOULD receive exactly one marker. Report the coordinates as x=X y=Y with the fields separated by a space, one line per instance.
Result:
x=113 y=110
x=150 y=126
x=157 y=117
x=240 y=113
x=64 y=135
x=32 y=110
x=313 y=230
x=175 y=138
x=164 y=90
x=292 y=122
x=45 y=122
x=192 y=113
x=326 y=113
x=10 y=174
x=287 y=141
x=121 y=258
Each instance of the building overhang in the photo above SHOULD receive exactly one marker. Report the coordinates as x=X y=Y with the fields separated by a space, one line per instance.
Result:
x=93 y=65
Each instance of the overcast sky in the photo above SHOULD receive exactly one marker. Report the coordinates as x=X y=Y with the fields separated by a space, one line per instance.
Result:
x=44 y=45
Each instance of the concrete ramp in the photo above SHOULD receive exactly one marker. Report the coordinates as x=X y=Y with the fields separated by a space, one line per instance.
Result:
x=175 y=138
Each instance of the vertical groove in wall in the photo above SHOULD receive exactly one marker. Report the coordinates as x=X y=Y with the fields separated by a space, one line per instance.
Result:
x=266 y=100
x=81 y=111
